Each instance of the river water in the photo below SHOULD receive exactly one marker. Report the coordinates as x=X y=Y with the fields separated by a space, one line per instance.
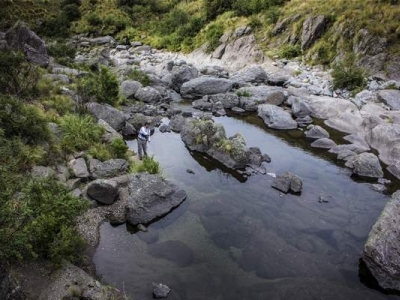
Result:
x=238 y=238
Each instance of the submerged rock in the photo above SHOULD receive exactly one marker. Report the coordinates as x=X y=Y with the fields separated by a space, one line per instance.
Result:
x=160 y=290
x=382 y=249
x=174 y=251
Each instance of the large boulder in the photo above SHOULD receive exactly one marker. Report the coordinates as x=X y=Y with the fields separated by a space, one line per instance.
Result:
x=366 y=164
x=262 y=94
x=275 y=117
x=20 y=37
x=115 y=118
x=150 y=197
x=182 y=74
x=79 y=167
x=382 y=249
x=148 y=94
x=104 y=191
x=198 y=87
x=110 y=133
x=385 y=138
x=228 y=100
x=316 y=132
x=391 y=98
x=313 y=28
x=128 y=88
x=251 y=74
x=177 y=123
x=107 y=169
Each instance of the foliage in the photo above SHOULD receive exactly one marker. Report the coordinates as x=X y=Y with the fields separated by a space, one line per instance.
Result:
x=102 y=86
x=38 y=222
x=23 y=121
x=213 y=34
x=290 y=51
x=79 y=132
x=148 y=164
x=64 y=53
x=138 y=75
x=243 y=93
x=58 y=104
x=18 y=77
x=348 y=76
x=119 y=148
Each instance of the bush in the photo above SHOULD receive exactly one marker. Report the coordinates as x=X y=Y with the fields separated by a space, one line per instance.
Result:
x=18 y=77
x=348 y=76
x=61 y=104
x=119 y=148
x=23 y=121
x=213 y=34
x=140 y=76
x=79 y=132
x=38 y=222
x=290 y=51
x=102 y=86
x=63 y=53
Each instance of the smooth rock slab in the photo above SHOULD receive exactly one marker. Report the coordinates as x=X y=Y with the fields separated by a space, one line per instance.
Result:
x=391 y=98
x=199 y=87
x=382 y=249
x=150 y=197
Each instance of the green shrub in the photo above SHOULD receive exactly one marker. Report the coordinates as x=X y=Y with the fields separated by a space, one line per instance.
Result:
x=290 y=51
x=213 y=34
x=18 y=77
x=243 y=93
x=102 y=86
x=148 y=164
x=100 y=151
x=140 y=76
x=64 y=53
x=79 y=132
x=59 y=103
x=22 y=121
x=38 y=222
x=348 y=76
x=119 y=148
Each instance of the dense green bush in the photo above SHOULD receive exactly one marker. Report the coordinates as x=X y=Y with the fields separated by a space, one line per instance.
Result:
x=64 y=53
x=38 y=221
x=138 y=75
x=213 y=34
x=18 y=77
x=102 y=86
x=148 y=164
x=23 y=121
x=290 y=51
x=348 y=76
x=119 y=148
x=79 y=132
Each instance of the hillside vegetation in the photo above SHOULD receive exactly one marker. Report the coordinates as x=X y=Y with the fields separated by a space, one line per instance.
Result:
x=187 y=24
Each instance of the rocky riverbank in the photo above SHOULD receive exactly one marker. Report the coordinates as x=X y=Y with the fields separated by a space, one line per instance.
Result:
x=286 y=95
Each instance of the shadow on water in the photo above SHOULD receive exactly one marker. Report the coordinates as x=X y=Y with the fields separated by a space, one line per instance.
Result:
x=238 y=238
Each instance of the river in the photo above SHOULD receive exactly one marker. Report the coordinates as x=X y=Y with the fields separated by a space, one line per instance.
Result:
x=238 y=238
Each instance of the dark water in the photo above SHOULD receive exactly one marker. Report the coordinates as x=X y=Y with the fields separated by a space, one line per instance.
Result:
x=237 y=238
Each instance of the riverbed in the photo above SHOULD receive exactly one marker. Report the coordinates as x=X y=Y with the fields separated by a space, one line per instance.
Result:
x=235 y=237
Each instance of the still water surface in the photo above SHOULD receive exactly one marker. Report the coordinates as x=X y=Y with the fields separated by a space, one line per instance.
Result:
x=238 y=238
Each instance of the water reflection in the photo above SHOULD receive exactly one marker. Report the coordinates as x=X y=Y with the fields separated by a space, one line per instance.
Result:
x=234 y=239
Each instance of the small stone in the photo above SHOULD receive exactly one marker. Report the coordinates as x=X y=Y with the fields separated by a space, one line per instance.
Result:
x=190 y=171
x=160 y=290
x=141 y=227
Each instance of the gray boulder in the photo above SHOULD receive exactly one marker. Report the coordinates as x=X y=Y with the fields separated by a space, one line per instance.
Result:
x=110 y=133
x=313 y=28
x=202 y=104
x=394 y=169
x=288 y=181
x=277 y=79
x=367 y=164
x=104 y=191
x=300 y=108
x=323 y=143
x=103 y=40
x=316 y=132
x=228 y=100
x=198 y=87
x=382 y=249
x=251 y=74
x=182 y=74
x=128 y=88
x=42 y=172
x=177 y=123
x=115 y=118
x=148 y=94
x=79 y=167
x=391 y=98
x=150 y=197
x=275 y=117
x=164 y=128
x=385 y=138
x=107 y=169
x=20 y=37
x=262 y=94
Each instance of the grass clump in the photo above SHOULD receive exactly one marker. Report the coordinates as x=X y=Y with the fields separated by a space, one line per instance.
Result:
x=79 y=132
x=139 y=76
x=290 y=51
x=243 y=93
x=148 y=164
x=348 y=77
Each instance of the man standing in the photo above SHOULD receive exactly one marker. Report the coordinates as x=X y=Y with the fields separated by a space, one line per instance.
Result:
x=143 y=138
